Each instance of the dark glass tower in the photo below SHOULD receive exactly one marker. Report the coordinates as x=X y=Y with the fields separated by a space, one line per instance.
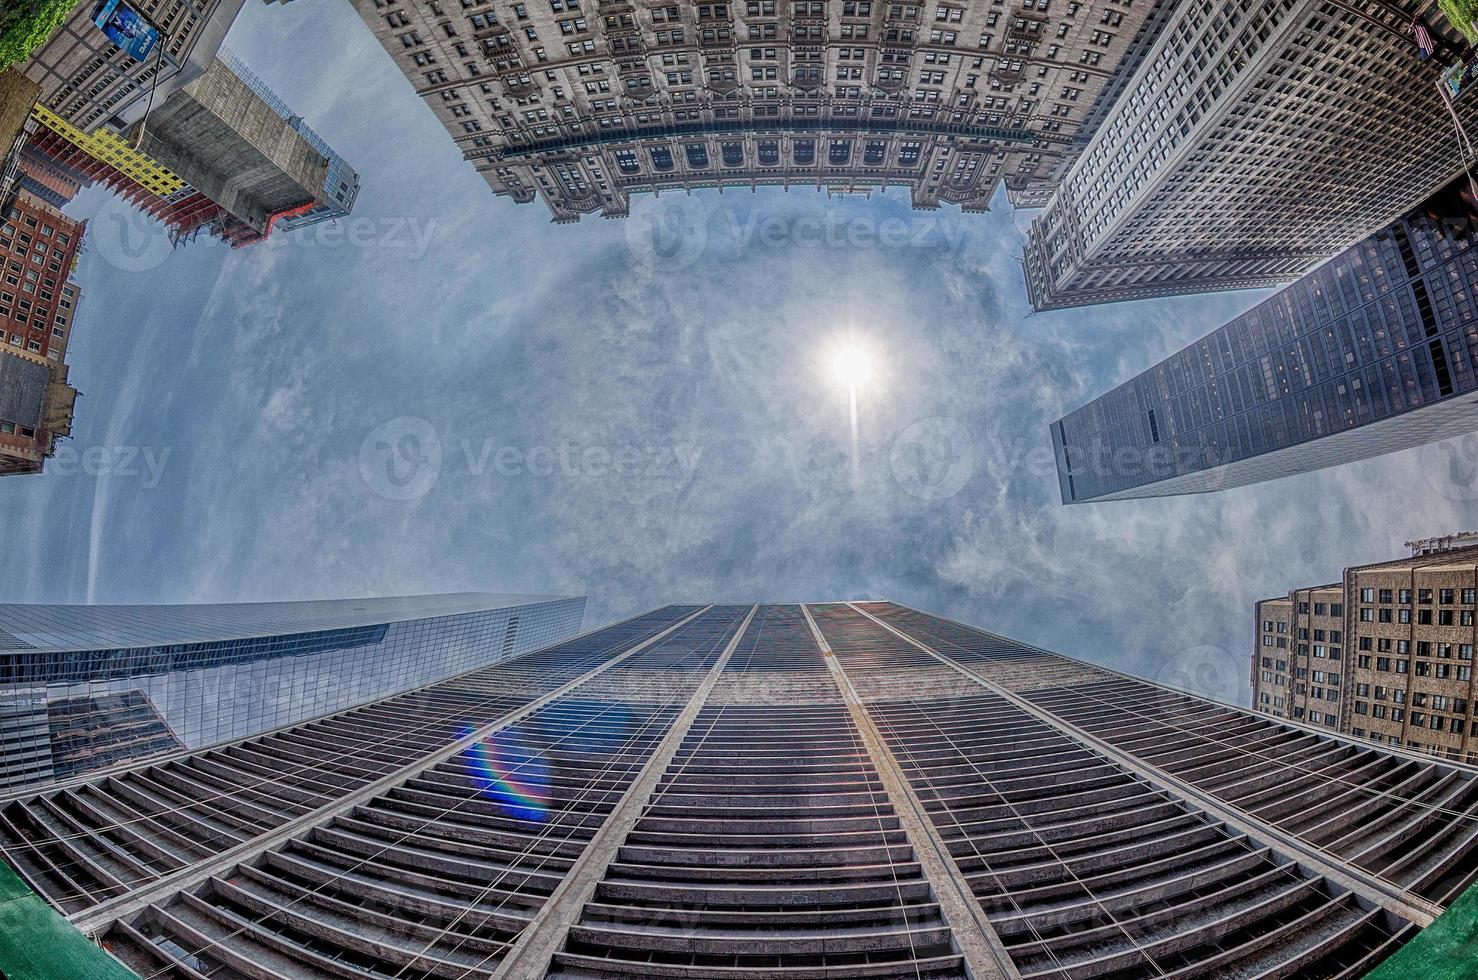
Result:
x=1373 y=352
x=83 y=688
x=837 y=790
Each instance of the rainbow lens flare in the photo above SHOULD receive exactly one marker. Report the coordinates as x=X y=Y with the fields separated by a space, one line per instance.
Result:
x=513 y=776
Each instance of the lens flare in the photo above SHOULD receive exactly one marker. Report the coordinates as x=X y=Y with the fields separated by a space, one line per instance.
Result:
x=514 y=777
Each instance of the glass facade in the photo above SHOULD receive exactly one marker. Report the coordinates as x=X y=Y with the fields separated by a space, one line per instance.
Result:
x=1370 y=353
x=84 y=687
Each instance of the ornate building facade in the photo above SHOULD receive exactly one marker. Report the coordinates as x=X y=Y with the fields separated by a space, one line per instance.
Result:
x=583 y=102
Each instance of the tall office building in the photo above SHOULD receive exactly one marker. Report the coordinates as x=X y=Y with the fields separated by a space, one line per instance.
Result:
x=341 y=181
x=584 y=104
x=1375 y=351
x=90 y=687
x=222 y=138
x=1255 y=140
x=838 y=790
x=223 y=155
x=90 y=82
x=1385 y=654
x=1298 y=668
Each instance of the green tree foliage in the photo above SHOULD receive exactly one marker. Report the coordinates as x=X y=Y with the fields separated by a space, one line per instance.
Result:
x=1461 y=14
x=26 y=24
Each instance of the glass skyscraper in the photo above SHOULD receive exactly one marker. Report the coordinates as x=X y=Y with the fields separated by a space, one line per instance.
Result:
x=827 y=791
x=1372 y=352
x=88 y=687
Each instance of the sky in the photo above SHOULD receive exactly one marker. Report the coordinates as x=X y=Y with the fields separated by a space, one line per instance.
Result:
x=446 y=392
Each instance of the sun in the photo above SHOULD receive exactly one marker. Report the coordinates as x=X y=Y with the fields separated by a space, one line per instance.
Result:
x=851 y=365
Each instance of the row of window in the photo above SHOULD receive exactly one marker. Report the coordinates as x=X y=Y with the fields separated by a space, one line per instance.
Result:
x=1445 y=597
x=1322 y=608
x=769 y=8
x=803 y=152
x=42 y=228
x=1423 y=668
x=1444 y=617
x=12 y=429
x=1270 y=626
x=1419 y=699
x=1419 y=719
x=1424 y=648
x=1319 y=650
x=1369 y=614
x=1333 y=636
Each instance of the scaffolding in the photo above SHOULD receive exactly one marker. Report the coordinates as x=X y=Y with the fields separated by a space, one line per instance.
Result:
x=111 y=151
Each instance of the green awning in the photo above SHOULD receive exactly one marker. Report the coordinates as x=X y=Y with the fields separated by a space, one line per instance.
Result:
x=1445 y=950
x=38 y=944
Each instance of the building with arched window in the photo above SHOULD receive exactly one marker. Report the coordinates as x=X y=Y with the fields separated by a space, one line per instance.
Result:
x=582 y=104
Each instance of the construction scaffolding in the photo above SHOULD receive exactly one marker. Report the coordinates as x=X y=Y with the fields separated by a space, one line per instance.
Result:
x=105 y=158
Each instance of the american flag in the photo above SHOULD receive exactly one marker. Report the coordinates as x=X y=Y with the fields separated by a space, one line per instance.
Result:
x=1423 y=38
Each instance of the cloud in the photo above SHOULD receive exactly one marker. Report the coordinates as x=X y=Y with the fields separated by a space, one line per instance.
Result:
x=652 y=424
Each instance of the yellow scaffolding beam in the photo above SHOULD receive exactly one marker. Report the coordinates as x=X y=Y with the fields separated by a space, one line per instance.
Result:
x=114 y=151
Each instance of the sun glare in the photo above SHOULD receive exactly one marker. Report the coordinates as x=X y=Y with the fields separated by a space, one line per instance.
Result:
x=851 y=365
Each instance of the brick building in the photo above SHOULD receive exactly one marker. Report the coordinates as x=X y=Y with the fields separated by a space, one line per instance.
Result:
x=1385 y=654
x=47 y=179
x=38 y=303
x=38 y=300
x=35 y=410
